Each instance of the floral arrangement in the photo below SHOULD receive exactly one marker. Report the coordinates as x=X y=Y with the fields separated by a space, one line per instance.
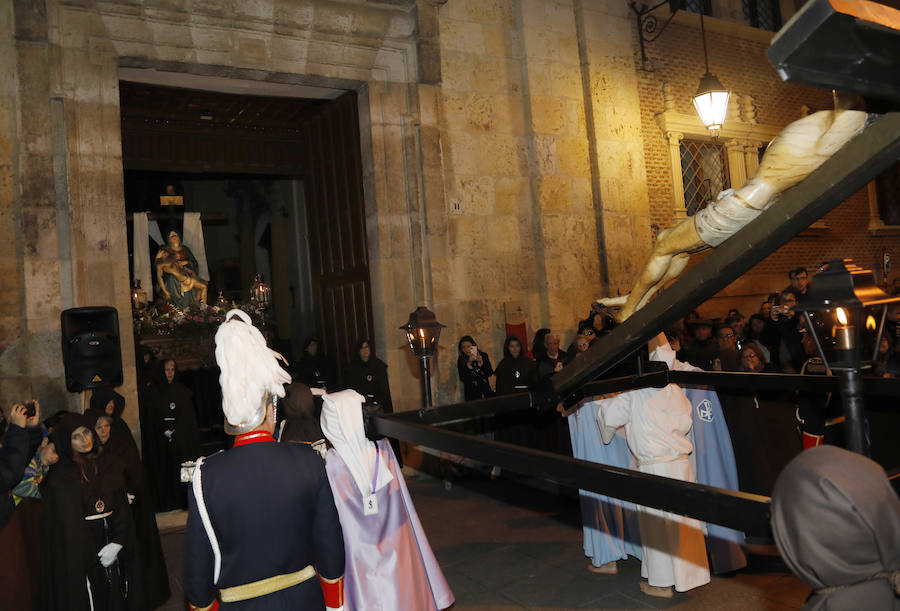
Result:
x=198 y=321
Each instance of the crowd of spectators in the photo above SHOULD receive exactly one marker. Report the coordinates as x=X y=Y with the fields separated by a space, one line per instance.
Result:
x=773 y=339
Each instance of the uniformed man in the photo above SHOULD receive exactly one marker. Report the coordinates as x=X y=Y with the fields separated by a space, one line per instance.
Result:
x=262 y=524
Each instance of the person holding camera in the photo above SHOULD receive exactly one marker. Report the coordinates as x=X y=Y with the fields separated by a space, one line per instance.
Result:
x=474 y=367
x=21 y=434
x=781 y=334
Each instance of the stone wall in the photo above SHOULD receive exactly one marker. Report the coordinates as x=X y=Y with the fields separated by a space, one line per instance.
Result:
x=545 y=203
x=509 y=148
x=60 y=159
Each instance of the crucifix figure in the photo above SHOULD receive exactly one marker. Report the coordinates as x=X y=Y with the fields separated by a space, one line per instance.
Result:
x=794 y=154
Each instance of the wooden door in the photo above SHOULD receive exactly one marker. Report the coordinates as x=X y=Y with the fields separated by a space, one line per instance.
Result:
x=332 y=172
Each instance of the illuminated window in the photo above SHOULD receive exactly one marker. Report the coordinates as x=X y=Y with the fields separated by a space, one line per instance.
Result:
x=704 y=172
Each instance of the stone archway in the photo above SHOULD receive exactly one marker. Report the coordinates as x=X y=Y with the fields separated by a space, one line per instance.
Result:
x=65 y=104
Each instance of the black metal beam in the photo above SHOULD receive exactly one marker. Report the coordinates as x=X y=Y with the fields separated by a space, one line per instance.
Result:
x=739 y=510
x=885 y=387
x=461 y=412
x=523 y=401
x=847 y=171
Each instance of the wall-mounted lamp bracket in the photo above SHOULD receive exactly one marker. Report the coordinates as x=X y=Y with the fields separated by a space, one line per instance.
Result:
x=648 y=25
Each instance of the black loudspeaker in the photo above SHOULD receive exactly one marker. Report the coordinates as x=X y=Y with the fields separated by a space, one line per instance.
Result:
x=91 y=352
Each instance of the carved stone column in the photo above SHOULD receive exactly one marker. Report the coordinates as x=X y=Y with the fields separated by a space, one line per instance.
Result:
x=751 y=157
x=674 y=139
x=737 y=172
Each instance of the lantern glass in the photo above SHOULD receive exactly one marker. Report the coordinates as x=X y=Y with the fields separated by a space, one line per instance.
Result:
x=260 y=293
x=846 y=311
x=711 y=102
x=422 y=332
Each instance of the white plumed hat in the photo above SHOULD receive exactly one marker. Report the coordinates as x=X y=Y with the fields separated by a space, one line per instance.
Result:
x=250 y=372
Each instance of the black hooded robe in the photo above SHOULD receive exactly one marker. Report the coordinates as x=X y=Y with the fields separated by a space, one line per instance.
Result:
x=72 y=578
x=172 y=410
x=122 y=454
x=370 y=379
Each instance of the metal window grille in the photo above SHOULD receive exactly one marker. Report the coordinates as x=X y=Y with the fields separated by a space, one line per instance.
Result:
x=762 y=14
x=704 y=172
x=693 y=6
x=887 y=189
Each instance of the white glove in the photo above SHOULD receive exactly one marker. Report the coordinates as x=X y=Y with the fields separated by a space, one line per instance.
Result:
x=168 y=434
x=108 y=553
x=130 y=497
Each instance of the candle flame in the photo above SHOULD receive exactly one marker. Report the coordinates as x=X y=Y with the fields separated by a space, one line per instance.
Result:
x=870 y=323
x=841 y=316
x=422 y=333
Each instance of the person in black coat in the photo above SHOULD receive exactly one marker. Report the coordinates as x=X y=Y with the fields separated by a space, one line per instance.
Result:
x=762 y=427
x=552 y=359
x=301 y=423
x=175 y=439
x=515 y=372
x=474 y=368
x=123 y=458
x=314 y=368
x=367 y=375
x=88 y=558
x=19 y=437
x=702 y=349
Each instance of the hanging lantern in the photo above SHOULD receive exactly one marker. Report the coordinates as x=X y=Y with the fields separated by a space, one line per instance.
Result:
x=260 y=293
x=711 y=99
x=711 y=102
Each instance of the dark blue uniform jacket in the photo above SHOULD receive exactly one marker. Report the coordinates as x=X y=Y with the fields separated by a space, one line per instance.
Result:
x=271 y=508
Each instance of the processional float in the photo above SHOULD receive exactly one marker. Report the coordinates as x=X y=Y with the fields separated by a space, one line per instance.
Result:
x=844 y=44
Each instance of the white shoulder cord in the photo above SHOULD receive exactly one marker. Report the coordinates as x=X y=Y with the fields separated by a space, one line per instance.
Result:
x=197 y=484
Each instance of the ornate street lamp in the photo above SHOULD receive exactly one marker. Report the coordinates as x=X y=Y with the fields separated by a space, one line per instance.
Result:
x=846 y=311
x=711 y=99
x=422 y=332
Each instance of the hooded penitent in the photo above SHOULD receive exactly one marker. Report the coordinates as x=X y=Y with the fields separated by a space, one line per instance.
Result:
x=84 y=510
x=100 y=398
x=836 y=521
x=389 y=563
x=250 y=374
x=300 y=423
x=121 y=455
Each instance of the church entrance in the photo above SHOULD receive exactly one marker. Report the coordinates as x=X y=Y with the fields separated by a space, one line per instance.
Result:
x=265 y=186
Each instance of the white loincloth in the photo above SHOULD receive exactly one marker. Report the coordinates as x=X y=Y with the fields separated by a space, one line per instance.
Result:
x=722 y=218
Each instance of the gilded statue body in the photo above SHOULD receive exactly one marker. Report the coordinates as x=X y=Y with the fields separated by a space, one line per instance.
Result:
x=176 y=272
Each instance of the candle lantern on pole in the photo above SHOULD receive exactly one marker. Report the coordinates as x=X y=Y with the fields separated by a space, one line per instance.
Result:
x=422 y=332
x=846 y=311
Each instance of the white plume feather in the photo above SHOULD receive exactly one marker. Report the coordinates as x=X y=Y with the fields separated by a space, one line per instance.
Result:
x=249 y=368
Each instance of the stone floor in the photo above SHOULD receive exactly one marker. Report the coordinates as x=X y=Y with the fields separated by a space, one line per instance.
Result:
x=506 y=546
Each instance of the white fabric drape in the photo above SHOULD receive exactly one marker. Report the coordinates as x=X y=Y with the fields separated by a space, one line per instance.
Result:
x=141 y=259
x=342 y=424
x=193 y=239
x=155 y=233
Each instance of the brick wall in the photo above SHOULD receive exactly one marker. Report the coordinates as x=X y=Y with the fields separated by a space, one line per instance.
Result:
x=677 y=59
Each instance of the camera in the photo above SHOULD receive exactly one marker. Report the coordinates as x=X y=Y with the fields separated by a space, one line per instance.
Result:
x=29 y=409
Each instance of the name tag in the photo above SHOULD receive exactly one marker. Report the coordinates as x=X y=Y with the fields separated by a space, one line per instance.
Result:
x=370 y=505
